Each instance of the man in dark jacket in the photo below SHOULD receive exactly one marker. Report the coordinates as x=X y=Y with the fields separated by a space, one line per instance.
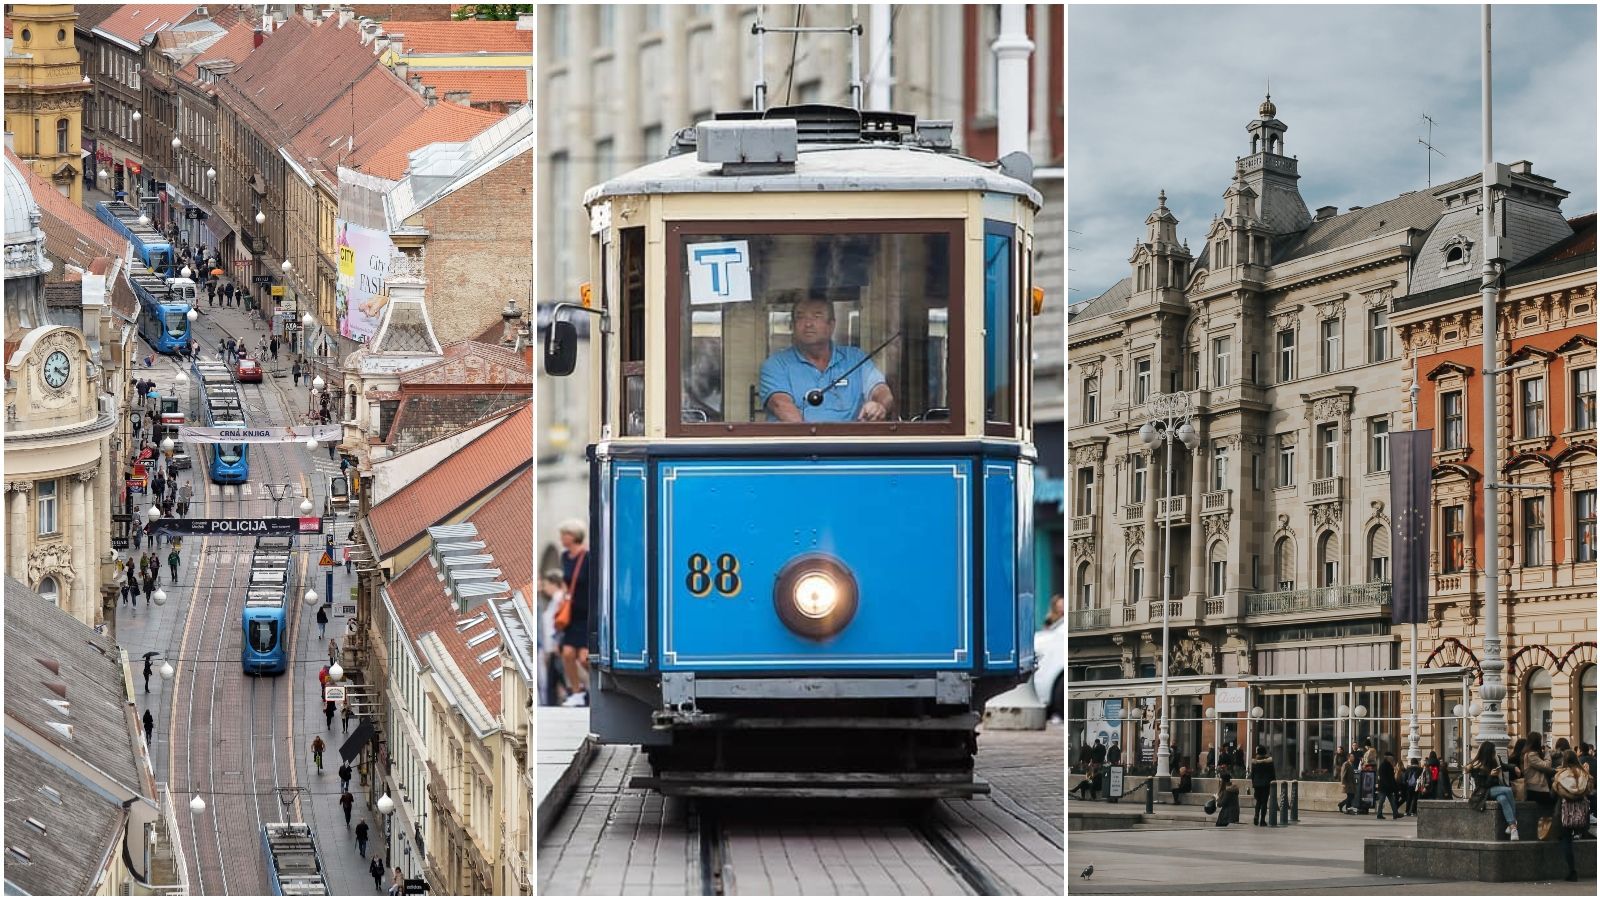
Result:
x=1262 y=774
x=1114 y=755
x=1389 y=787
x=1099 y=752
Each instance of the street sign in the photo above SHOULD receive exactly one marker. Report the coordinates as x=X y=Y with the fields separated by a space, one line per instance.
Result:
x=261 y=279
x=333 y=692
x=269 y=526
x=310 y=525
x=1230 y=700
x=136 y=484
x=326 y=560
x=277 y=290
x=347 y=609
x=1114 y=784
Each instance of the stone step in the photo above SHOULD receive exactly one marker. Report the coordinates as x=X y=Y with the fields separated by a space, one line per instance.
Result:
x=1454 y=820
x=1448 y=860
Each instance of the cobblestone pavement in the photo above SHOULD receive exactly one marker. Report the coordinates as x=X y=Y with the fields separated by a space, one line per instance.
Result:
x=1026 y=768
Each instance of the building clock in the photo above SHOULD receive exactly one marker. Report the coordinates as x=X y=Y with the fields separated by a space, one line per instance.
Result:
x=57 y=368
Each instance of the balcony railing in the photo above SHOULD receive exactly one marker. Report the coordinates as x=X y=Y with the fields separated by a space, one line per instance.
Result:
x=1082 y=525
x=1132 y=512
x=1216 y=501
x=1130 y=614
x=1176 y=507
x=1213 y=606
x=1088 y=619
x=1174 y=610
x=1325 y=599
x=1328 y=488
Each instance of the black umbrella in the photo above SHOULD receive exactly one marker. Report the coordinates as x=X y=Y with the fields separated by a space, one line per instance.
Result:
x=152 y=653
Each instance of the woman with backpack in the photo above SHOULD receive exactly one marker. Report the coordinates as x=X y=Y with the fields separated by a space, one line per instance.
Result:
x=1572 y=784
x=1411 y=785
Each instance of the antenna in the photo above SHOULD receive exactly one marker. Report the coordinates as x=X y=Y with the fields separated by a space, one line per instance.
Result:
x=1431 y=148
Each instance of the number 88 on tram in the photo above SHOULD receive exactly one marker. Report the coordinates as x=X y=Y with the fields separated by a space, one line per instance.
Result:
x=811 y=458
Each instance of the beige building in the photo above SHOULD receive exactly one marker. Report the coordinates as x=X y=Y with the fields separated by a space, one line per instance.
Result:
x=1277 y=332
x=45 y=91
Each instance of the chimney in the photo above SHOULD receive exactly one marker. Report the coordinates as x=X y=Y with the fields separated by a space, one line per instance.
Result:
x=1326 y=212
x=402 y=70
x=309 y=11
x=1522 y=167
x=510 y=322
x=267 y=21
x=259 y=37
x=1354 y=208
x=346 y=13
x=429 y=94
x=459 y=98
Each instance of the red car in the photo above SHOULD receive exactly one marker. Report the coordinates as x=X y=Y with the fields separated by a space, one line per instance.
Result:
x=248 y=370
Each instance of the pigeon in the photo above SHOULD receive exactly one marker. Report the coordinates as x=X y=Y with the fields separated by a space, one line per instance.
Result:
x=1086 y=872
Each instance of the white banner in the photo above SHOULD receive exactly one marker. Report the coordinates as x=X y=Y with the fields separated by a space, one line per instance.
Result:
x=292 y=434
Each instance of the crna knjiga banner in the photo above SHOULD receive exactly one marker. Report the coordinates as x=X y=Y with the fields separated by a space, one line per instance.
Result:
x=289 y=434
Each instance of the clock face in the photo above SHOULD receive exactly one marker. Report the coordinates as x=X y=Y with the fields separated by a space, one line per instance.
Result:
x=56 y=369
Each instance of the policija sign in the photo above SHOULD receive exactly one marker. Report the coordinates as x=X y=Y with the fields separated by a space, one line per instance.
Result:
x=278 y=526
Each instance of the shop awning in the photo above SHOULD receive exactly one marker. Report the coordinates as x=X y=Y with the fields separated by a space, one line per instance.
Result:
x=1138 y=691
x=352 y=747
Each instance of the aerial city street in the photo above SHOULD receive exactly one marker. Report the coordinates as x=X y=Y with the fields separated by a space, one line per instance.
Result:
x=1331 y=451
x=268 y=276
x=800 y=440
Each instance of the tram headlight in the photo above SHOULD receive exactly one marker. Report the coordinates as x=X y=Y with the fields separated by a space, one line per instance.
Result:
x=815 y=596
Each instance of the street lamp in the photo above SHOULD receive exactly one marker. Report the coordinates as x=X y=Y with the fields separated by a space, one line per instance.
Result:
x=103 y=173
x=335 y=672
x=288 y=266
x=310 y=597
x=1169 y=418
x=191 y=315
x=167 y=671
x=176 y=143
x=185 y=272
x=159 y=598
x=168 y=446
x=305 y=507
x=197 y=805
x=211 y=174
x=385 y=805
x=153 y=513
x=1349 y=730
x=261 y=217
x=137 y=116
x=144 y=219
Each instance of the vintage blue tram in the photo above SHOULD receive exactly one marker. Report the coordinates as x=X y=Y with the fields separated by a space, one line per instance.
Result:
x=269 y=597
x=217 y=404
x=811 y=455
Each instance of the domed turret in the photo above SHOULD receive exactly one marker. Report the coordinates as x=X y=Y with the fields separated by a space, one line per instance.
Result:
x=25 y=262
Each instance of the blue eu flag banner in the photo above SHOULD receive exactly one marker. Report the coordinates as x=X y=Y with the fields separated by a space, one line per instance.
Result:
x=1411 y=503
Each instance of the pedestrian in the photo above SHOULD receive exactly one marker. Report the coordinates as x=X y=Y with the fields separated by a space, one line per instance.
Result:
x=361 y=838
x=397 y=883
x=130 y=589
x=325 y=415
x=333 y=650
x=322 y=625
x=296 y=372
x=1388 y=787
x=147 y=671
x=322 y=676
x=172 y=562
x=1227 y=801
x=328 y=709
x=1411 y=785
x=1114 y=753
x=574 y=624
x=1184 y=786
x=317 y=746
x=1088 y=787
x=1263 y=772
x=1367 y=785
x=149 y=589
x=149 y=727
x=344 y=776
x=375 y=870
x=1491 y=781
x=185 y=494
x=1571 y=785
x=1536 y=774
x=1098 y=752
x=348 y=801
x=1347 y=779
x=273 y=346
x=345 y=717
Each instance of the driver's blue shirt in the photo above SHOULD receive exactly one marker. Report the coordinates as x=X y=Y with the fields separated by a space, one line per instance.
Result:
x=789 y=372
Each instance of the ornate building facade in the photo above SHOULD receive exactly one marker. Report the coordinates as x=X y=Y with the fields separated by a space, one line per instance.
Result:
x=1277 y=334
x=45 y=91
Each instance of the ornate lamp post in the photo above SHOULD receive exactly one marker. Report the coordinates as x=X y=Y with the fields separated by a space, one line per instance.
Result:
x=1169 y=418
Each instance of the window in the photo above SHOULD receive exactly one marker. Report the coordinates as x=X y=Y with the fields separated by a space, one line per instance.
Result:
x=1328 y=559
x=63 y=129
x=1455 y=539
x=1540 y=709
x=1378 y=554
x=1327 y=450
x=1218 y=570
x=1220 y=349
x=1255 y=368
x=1084 y=496
x=1219 y=468
x=50 y=590
x=1136 y=577
x=1091 y=400
x=1331 y=358
x=1255 y=471
x=998 y=332
x=1450 y=413
x=1141 y=380
x=1583 y=399
x=263 y=635
x=1532 y=391
x=1583 y=507
x=1378 y=331
x=769 y=338
x=1532 y=531
x=1285 y=461
x=1378 y=444
x=650 y=139
x=1140 y=469
x=1194 y=371
x=46 y=506
x=1284 y=564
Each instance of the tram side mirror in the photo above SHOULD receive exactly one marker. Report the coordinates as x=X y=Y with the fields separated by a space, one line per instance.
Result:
x=560 y=348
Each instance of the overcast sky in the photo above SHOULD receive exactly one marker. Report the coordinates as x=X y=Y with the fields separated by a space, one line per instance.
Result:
x=1158 y=97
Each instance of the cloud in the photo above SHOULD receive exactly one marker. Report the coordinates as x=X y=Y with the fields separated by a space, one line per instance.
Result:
x=1158 y=98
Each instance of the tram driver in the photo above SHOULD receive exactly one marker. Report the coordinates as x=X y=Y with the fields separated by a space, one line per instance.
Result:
x=817 y=380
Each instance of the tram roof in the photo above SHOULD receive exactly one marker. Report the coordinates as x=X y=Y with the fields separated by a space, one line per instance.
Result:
x=821 y=167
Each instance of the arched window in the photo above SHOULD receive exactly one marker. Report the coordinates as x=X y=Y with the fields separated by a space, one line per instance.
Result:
x=50 y=590
x=1328 y=560
x=1537 y=715
x=1135 y=577
x=1085 y=588
x=1378 y=554
x=63 y=131
x=1217 y=570
x=1283 y=572
x=1586 y=707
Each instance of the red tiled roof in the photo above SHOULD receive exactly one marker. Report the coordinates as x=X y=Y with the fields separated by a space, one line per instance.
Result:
x=463 y=475
x=90 y=15
x=509 y=85
x=72 y=234
x=235 y=45
x=440 y=122
x=505 y=525
x=468 y=36
x=135 y=20
x=299 y=71
x=378 y=96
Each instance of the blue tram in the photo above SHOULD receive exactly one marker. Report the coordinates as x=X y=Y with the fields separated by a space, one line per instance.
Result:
x=164 y=305
x=812 y=460
x=152 y=248
x=217 y=404
x=269 y=596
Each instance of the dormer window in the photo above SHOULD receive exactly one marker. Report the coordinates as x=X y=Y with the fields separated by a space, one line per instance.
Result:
x=1457 y=253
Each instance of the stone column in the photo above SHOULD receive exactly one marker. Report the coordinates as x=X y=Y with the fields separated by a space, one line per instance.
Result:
x=1102 y=499
x=626 y=134
x=1154 y=483
x=728 y=92
x=675 y=75
x=1197 y=532
x=75 y=521
x=17 y=496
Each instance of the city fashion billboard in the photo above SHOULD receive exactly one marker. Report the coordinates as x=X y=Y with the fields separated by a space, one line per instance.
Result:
x=363 y=265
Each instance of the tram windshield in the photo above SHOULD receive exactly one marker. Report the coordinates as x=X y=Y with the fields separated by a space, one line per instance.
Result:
x=177 y=323
x=263 y=635
x=230 y=453
x=805 y=328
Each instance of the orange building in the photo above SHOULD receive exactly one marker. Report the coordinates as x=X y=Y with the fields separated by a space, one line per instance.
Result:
x=1545 y=537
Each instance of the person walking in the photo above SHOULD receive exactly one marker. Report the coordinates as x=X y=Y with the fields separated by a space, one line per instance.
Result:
x=333 y=650
x=376 y=871
x=147 y=673
x=296 y=372
x=273 y=346
x=1263 y=772
x=185 y=494
x=322 y=624
x=149 y=588
x=328 y=708
x=397 y=882
x=344 y=776
x=172 y=563
x=344 y=717
x=1227 y=800
x=348 y=801
x=1347 y=780
x=317 y=746
x=1571 y=785
x=575 y=628
x=130 y=588
x=149 y=727
x=361 y=838
x=1388 y=787
x=1367 y=783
